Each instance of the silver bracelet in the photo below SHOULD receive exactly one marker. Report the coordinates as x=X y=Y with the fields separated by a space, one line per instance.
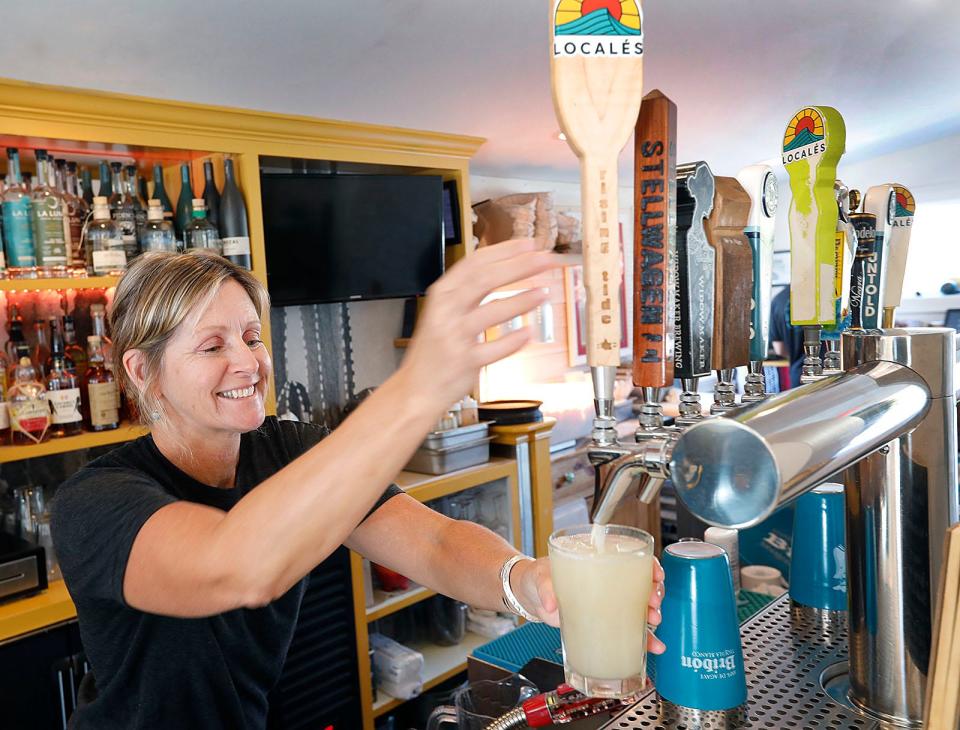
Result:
x=509 y=597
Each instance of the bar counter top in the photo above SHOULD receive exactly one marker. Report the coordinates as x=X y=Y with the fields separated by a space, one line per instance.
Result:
x=23 y=616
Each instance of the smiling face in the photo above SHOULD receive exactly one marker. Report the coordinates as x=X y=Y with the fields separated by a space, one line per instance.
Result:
x=216 y=369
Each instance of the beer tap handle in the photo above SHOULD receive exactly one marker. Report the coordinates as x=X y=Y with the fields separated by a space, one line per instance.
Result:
x=696 y=266
x=881 y=201
x=813 y=143
x=733 y=286
x=845 y=247
x=865 y=227
x=654 y=242
x=761 y=185
x=904 y=208
x=597 y=99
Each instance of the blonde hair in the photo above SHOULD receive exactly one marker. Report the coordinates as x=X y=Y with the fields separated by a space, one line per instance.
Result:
x=155 y=295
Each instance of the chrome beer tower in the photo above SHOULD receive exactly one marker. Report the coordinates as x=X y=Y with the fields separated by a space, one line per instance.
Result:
x=887 y=422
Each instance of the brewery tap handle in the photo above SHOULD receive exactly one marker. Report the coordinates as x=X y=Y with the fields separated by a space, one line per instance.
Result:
x=902 y=226
x=761 y=185
x=733 y=286
x=845 y=247
x=696 y=267
x=881 y=201
x=813 y=143
x=865 y=226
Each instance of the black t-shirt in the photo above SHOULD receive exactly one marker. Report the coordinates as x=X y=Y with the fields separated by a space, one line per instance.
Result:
x=781 y=330
x=154 y=671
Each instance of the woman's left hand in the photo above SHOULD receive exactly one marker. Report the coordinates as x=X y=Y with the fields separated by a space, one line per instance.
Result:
x=532 y=584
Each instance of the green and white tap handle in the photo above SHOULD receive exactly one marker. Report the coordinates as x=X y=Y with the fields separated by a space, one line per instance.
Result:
x=761 y=185
x=897 y=252
x=881 y=201
x=846 y=246
x=813 y=143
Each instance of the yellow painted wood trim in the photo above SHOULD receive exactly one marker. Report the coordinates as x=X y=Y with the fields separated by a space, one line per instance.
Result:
x=126 y=432
x=521 y=432
x=541 y=480
x=362 y=639
x=413 y=597
x=425 y=488
x=62 y=105
x=27 y=615
x=81 y=282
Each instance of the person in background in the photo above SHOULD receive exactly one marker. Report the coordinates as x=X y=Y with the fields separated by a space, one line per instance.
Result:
x=786 y=339
x=186 y=551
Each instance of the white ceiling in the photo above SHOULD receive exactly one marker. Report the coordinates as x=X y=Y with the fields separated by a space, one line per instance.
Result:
x=737 y=69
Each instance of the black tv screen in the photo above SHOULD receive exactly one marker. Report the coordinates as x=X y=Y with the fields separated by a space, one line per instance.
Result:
x=336 y=238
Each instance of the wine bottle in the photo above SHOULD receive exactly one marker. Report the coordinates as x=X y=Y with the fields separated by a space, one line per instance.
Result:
x=160 y=193
x=87 y=188
x=106 y=186
x=184 y=202
x=233 y=220
x=211 y=196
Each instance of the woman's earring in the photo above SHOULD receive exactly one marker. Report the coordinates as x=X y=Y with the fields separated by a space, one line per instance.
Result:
x=155 y=415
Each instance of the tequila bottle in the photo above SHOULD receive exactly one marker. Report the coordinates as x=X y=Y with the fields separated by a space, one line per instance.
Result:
x=233 y=220
x=160 y=193
x=100 y=398
x=199 y=233
x=17 y=223
x=211 y=196
x=63 y=393
x=104 y=244
x=158 y=233
x=49 y=233
x=29 y=409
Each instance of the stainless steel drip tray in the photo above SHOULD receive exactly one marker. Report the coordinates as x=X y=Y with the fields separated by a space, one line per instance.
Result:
x=784 y=655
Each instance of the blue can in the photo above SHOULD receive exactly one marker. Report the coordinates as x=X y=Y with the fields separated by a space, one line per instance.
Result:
x=702 y=667
x=818 y=567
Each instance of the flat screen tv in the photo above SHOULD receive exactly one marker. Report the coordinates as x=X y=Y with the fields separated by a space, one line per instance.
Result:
x=337 y=238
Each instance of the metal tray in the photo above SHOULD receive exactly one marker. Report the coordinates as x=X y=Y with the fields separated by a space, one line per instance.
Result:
x=442 y=461
x=455 y=436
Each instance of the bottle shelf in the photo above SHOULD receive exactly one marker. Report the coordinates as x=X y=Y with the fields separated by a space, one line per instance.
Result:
x=78 y=282
x=391 y=602
x=126 y=432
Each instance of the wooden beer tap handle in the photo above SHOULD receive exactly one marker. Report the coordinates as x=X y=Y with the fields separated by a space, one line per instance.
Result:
x=880 y=201
x=812 y=146
x=597 y=79
x=761 y=185
x=904 y=208
x=696 y=265
x=733 y=282
x=654 y=241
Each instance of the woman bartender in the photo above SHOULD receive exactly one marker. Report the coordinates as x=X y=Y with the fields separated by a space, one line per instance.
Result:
x=186 y=550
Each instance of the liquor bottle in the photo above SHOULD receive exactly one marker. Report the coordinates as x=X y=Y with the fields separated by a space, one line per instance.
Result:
x=98 y=323
x=29 y=410
x=233 y=220
x=73 y=352
x=211 y=196
x=58 y=347
x=76 y=216
x=123 y=212
x=158 y=233
x=48 y=227
x=199 y=233
x=142 y=188
x=41 y=349
x=100 y=398
x=106 y=184
x=15 y=337
x=28 y=181
x=160 y=193
x=17 y=223
x=184 y=203
x=63 y=393
x=104 y=244
x=139 y=204
x=87 y=187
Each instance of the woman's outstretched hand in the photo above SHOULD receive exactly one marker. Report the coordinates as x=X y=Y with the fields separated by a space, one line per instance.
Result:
x=447 y=352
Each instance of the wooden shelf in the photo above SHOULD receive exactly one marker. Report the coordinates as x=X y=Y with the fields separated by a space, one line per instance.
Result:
x=388 y=603
x=126 y=432
x=439 y=664
x=426 y=487
x=78 y=282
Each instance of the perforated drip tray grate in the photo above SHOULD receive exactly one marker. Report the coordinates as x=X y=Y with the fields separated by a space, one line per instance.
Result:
x=784 y=655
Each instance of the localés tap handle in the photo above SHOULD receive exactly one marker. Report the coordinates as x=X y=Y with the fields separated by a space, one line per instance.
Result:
x=897 y=252
x=761 y=185
x=812 y=146
x=696 y=267
x=596 y=71
x=881 y=201
x=733 y=278
x=654 y=241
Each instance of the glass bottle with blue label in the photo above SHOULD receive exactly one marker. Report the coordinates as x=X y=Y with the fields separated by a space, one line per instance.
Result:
x=49 y=235
x=17 y=223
